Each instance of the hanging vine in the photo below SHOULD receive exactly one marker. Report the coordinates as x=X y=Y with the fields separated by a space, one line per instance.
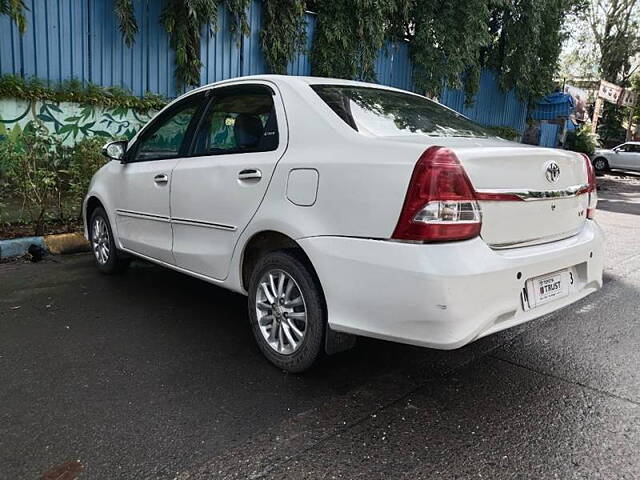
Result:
x=238 y=12
x=283 y=32
x=348 y=36
x=15 y=10
x=447 y=43
x=183 y=20
x=126 y=20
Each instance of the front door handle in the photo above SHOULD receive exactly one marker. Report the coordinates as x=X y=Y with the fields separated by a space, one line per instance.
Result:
x=161 y=179
x=250 y=174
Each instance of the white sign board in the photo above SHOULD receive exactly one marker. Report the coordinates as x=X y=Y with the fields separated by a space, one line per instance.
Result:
x=615 y=94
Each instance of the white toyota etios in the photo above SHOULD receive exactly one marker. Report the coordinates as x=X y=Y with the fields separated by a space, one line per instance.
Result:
x=346 y=208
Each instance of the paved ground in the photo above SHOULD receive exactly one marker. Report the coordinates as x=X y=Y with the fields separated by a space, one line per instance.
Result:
x=155 y=375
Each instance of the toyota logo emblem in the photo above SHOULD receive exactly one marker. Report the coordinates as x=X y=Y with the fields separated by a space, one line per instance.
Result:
x=552 y=172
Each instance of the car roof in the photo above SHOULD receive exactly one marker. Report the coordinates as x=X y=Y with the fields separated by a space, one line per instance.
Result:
x=296 y=80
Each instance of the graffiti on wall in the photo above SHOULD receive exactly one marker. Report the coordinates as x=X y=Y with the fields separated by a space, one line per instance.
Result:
x=71 y=121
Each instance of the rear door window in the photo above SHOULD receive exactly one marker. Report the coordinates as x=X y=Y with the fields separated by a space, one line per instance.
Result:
x=239 y=119
x=380 y=112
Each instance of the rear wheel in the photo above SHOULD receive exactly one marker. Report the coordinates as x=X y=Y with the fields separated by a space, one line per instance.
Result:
x=601 y=164
x=108 y=259
x=286 y=311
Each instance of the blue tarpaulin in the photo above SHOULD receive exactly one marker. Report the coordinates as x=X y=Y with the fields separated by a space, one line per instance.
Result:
x=554 y=105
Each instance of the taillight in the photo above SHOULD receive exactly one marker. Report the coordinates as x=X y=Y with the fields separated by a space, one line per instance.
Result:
x=591 y=189
x=440 y=204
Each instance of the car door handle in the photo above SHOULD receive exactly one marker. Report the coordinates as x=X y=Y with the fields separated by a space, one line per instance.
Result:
x=249 y=174
x=160 y=179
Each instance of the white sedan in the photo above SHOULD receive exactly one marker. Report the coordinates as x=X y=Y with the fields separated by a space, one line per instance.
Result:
x=622 y=157
x=343 y=208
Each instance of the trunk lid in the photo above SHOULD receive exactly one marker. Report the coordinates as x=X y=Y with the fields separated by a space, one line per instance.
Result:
x=546 y=179
x=551 y=210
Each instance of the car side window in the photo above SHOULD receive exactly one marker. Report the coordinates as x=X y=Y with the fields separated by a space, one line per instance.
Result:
x=633 y=148
x=239 y=119
x=164 y=138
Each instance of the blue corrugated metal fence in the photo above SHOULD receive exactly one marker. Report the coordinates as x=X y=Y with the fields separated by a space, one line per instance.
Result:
x=491 y=106
x=80 y=39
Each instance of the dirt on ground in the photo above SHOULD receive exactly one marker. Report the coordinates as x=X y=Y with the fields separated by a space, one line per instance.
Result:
x=18 y=230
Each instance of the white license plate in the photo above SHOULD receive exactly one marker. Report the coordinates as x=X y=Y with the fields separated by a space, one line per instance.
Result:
x=547 y=288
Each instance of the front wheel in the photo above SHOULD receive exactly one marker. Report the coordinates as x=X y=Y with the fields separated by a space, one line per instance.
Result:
x=107 y=258
x=601 y=164
x=287 y=311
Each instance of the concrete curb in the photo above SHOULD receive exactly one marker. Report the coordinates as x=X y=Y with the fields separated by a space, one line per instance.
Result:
x=56 y=244
x=66 y=243
x=17 y=247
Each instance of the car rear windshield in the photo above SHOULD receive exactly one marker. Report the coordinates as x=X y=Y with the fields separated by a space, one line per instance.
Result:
x=389 y=113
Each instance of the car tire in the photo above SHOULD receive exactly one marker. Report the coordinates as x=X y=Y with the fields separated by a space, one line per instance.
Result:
x=601 y=164
x=276 y=310
x=105 y=254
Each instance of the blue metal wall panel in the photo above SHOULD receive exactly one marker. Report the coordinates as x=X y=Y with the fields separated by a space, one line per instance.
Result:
x=549 y=135
x=301 y=64
x=80 y=39
x=252 y=59
x=220 y=51
x=54 y=46
x=393 y=66
x=10 y=57
x=491 y=106
x=160 y=76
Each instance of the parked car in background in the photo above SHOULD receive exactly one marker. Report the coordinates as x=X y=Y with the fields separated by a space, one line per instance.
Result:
x=344 y=208
x=622 y=157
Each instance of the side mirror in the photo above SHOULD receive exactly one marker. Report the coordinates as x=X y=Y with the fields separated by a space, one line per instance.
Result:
x=115 y=150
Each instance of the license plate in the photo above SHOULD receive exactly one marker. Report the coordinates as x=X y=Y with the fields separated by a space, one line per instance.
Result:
x=547 y=288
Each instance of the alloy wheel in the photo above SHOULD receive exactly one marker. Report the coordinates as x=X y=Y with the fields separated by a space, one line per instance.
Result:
x=100 y=240
x=281 y=311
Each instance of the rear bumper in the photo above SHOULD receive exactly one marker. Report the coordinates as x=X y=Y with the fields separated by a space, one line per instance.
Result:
x=444 y=295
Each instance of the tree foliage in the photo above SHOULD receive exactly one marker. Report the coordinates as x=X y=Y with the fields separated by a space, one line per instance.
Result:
x=348 y=36
x=615 y=28
x=447 y=43
x=283 y=32
x=15 y=10
x=450 y=41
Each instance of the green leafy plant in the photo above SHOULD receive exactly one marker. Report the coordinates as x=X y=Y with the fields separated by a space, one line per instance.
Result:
x=283 y=32
x=581 y=140
x=34 y=163
x=34 y=89
x=85 y=159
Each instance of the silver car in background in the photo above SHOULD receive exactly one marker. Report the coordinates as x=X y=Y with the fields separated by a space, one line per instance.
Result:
x=622 y=157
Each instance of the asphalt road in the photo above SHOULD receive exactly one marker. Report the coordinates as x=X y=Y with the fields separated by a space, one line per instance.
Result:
x=155 y=375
